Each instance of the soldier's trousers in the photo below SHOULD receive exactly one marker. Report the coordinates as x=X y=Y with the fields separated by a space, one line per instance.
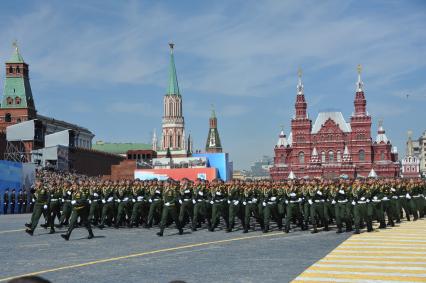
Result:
x=233 y=211
x=388 y=209
x=319 y=212
x=200 y=212
x=66 y=212
x=123 y=210
x=249 y=210
x=167 y=211
x=268 y=211
x=55 y=212
x=83 y=213
x=306 y=213
x=95 y=211
x=107 y=212
x=186 y=210
x=361 y=212
x=378 y=213
x=35 y=217
x=24 y=207
x=293 y=210
x=404 y=205
x=396 y=208
x=330 y=210
x=420 y=205
x=12 y=208
x=154 y=208
x=5 y=208
x=135 y=219
x=343 y=214
x=219 y=209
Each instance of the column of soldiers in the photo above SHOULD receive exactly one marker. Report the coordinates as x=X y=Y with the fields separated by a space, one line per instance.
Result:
x=308 y=204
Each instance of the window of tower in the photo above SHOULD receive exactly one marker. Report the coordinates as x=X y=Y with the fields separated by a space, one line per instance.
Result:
x=361 y=155
x=339 y=156
x=8 y=118
x=18 y=70
x=170 y=141
x=17 y=100
x=10 y=70
x=323 y=157
x=9 y=101
x=331 y=156
x=178 y=141
x=301 y=157
x=382 y=155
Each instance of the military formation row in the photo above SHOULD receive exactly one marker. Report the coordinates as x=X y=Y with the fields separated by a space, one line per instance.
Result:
x=15 y=202
x=356 y=204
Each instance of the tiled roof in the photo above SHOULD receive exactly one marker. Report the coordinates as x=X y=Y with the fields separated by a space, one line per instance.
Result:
x=337 y=117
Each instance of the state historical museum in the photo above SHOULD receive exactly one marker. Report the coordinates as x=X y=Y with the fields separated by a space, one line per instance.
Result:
x=332 y=147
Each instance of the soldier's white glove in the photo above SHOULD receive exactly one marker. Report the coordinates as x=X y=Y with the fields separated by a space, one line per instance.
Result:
x=125 y=199
x=273 y=198
x=236 y=202
x=95 y=194
x=293 y=194
x=45 y=206
x=299 y=199
x=264 y=203
x=180 y=201
x=244 y=203
x=193 y=201
x=133 y=200
x=140 y=198
x=341 y=192
x=110 y=199
x=118 y=200
x=393 y=190
x=353 y=202
x=254 y=200
x=229 y=202
x=186 y=191
x=73 y=202
x=375 y=198
x=62 y=199
x=167 y=204
x=90 y=202
x=68 y=193
x=158 y=192
x=150 y=200
x=219 y=193
x=211 y=202
x=33 y=200
x=320 y=193
x=368 y=200
x=200 y=193
x=333 y=202
x=286 y=202
x=408 y=196
x=310 y=201
x=363 y=198
x=103 y=201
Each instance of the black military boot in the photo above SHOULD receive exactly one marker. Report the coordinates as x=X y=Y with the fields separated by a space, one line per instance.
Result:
x=161 y=232
x=52 y=231
x=29 y=232
x=28 y=225
x=91 y=236
x=326 y=227
x=65 y=236
x=44 y=225
x=315 y=229
x=339 y=229
x=357 y=231
x=101 y=226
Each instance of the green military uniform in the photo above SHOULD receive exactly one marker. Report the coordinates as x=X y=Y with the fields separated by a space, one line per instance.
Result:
x=138 y=199
x=363 y=208
x=95 y=203
x=218 y=199
x=293 y=208
x=269 y=205
x=200 y=201
x=343 y=207
x=156 y=203
x=54 y=207
x=186 y=204
x=233 y=205
x=80 y=209
x=108 y=195
x=41 y=204
x=170 y=198
x=319 y=212
x=124 y=205
x=66 y=206
x=250 y=203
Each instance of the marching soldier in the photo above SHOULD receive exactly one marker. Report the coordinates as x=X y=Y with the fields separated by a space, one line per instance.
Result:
x=156 y=202
x=24 y=201
x=95 y=203
x=218 y=199
x=138 y=199
x=124 y=203
x=12 y=201
x=343 y=207
x=80 y=209
x=250 y=203
x=108 y=195
x=41 y=204
x=170 y=198
x=186 y=204
x=233 y=204
x=200 y=201
x=363 y=209
x=66 y=205
x=293 y=202
x=319 y=213
x=20 y=201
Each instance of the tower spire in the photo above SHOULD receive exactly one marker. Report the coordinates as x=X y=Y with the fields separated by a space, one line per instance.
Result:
x=359 y=84
x=301 y=104
x=173 y=88
x=299 y=84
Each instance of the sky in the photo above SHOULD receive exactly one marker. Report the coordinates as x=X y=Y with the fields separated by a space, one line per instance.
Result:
x=104 y=64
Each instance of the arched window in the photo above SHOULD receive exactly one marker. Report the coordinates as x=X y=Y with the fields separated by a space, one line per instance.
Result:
x=178 y=141
x=323 y=157
x=331 y=156
x=17 y=100
x=170 y=141
x=382 y=155
x=8 y=118
x=301 y=157
x=9 y=101
x=18 y=70
x=361 y=155
x=10 y=70
x=339 y=156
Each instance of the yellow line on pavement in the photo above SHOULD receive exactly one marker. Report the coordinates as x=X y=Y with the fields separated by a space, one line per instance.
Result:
x=106 y=260
x=366 y=270
x=369 y=263
x=364 y=276
x=11 y=231
x=384 y=258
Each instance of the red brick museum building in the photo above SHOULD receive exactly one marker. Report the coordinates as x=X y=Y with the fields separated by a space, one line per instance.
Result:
x=332 y=147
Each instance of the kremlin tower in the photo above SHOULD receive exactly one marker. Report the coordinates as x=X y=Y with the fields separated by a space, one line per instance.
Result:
x=213 y=141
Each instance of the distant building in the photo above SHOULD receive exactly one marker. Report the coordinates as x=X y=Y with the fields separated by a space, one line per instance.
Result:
x=261 y=167
x=332 y=147
x=411 y=162
x=213 y=143
x=123 y=148
x=422 y=157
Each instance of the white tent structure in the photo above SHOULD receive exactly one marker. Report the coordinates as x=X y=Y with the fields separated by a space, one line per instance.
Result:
x=291 y=176
x=372 y=174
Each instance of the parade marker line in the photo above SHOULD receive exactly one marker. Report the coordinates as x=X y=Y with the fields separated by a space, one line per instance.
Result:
x=140 y=255
x=361 y=276
x=10 y=231
x=368 y=266
x=366 y=270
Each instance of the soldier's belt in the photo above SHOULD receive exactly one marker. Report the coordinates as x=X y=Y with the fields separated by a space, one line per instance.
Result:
x=416 y=196
x=385 y=199
x=361 y=201
x=395 y=197
x=342 y=201
x=156 y=199
x=186 y=199
x=218 y=200
x=95 y=199
x=403 y=196
x=317 y=201
x=294 y=201
x=67 y=200
x=199 y=200
x=271 y=202
x=53 y=199
x=376 y=200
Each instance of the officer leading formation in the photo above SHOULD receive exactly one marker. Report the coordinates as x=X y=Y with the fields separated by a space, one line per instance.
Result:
x=75 y=200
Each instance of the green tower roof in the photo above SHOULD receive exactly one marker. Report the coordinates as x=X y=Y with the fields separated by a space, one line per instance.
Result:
x=173 y=88
x=16 y=56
